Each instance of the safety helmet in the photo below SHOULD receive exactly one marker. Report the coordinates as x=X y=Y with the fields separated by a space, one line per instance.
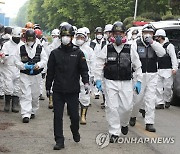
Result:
x=135 y=32
x=108 y=28
x=160 y=32
x=118 y=27
x=81 y=31
x=62 y=24
x=16 y=32
x=1 y=28
x=29 y=25
x=98 y=30
x=8 y=30
x=87 y=30
x=30 y=35
x=55 y=32
x=148 y=28
x=37 y=26
x=38 y=33
x=67 y=30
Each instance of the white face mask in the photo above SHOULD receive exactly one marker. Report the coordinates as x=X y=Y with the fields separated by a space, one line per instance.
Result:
x=30 y=44
x=147 y=35
x=99 y=36
x=66 y=40
x=134 y=36
x=79 y=42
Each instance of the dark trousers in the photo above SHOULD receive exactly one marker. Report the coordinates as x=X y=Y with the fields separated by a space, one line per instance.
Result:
x=72 y=101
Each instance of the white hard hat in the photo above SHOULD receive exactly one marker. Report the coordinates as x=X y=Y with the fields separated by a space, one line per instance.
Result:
x=160 y=32
x=87 y=30
x=108 y=28
x=16 y=32
x=82 y=32
x=55 y=32
x=148 y=28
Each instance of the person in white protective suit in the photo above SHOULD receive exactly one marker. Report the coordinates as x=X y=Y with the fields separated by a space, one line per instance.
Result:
x=11 y=73
x=108 y=33
x=56 y=42
x=97 y=44
x=88 y=38
x=4 y=37
x=167 y=67
x=116 y=61
x=84 y=96
x=43 y=42
x=31 y=61
x=149 y=51
x=1 y=62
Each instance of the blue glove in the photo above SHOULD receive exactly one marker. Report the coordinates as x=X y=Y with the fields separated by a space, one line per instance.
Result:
x=29 y=67
x=137 y=87
x=99 y=85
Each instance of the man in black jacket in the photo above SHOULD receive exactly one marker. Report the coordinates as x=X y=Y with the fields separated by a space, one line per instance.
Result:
x=65 y=66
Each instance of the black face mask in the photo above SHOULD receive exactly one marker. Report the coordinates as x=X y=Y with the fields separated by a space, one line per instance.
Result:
x=16 y=40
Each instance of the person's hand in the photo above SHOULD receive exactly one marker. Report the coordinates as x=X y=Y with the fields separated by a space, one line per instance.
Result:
x=99 y=85
x=36 y=67
x=149 y=40
x=87 y=88
x=137 y=87
x=2 y=55
x=48 y=93
x=174 y=72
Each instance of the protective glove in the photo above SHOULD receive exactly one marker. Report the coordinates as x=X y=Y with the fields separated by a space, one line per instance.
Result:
x=28 y=67
x=99 y=85
x=137 y=87
x=48 y=93
x=149 y=40
x=87 y=88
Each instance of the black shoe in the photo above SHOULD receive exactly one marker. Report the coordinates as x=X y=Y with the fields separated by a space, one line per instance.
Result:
x=143 y=112
x=1 y=96
x=96 y=96
x=58 y=147
x=41 y=97
x=25 y=120
x=32 y=116
x=167 y=105
x=76 y=137
x=132 y=121
x=150 y=128
x=124 y=130
x=160 y=106
x=113 y=139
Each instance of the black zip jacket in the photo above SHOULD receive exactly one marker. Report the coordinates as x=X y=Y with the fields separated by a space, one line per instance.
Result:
x=65 y=66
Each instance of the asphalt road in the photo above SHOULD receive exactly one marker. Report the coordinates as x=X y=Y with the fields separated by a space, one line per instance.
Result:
x=36 y=137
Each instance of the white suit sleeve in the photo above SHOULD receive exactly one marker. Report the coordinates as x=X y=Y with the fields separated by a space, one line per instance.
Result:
x=136 y=63
x=172 y=54
x=158 y=48
x=92 y=63
x=44 y=59
x=19 y=64
x=99 y=62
